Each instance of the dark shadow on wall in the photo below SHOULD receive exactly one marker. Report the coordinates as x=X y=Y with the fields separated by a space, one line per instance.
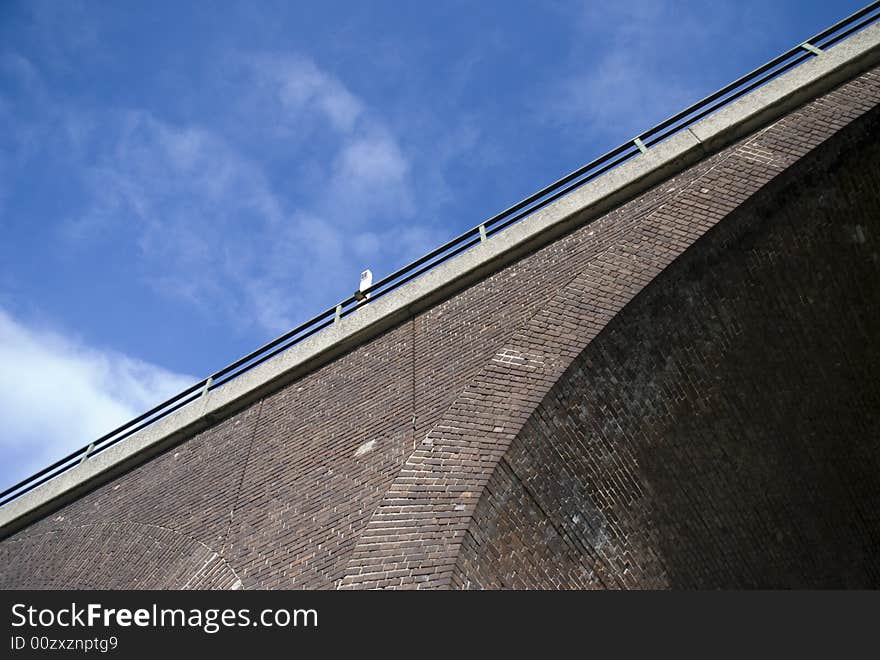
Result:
x=723 y=430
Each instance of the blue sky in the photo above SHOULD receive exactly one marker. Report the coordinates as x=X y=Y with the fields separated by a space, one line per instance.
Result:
x=180 y=182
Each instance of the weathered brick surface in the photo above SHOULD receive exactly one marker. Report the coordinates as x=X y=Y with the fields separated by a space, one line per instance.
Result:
x=367 y=472
x=723 y=430
x=117 y=555
x=444 y=479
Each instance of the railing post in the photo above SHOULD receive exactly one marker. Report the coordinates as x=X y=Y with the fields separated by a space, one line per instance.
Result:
x=86 y=455
x=815 y=50
x=482 y=233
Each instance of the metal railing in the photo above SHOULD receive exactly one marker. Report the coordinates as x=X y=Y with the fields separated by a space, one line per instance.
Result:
x=812 y=47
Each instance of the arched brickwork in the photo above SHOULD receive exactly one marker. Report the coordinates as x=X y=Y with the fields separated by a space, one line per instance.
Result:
x=414 y=538
x=723 y=430
x=367 y=472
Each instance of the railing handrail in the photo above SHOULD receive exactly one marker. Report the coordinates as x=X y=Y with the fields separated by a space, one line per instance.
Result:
x=677 y=122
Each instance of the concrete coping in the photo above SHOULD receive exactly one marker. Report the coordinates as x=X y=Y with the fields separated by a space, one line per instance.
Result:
x=744 y=116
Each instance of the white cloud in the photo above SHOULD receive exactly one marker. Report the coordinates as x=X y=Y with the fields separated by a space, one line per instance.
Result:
x=373 y=160
x=258 y=215
x=630 y=64
x=287 y=95
x=57 y=395
x=212 y=227
x=299 y=84
x=369 y=180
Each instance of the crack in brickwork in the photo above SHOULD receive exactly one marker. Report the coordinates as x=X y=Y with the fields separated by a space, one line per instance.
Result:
x=237 y=497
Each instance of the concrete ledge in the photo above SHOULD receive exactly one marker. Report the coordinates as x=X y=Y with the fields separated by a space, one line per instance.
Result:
x=742 y=117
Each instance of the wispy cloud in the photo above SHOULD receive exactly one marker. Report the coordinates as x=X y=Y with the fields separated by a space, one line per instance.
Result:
x=57 y=394
x=294 y=93
x=20 y=80
x=205 y=216
x=214 y=229
x=633 y=64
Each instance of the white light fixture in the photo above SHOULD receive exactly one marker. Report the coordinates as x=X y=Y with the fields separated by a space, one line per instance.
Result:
x=366 y=283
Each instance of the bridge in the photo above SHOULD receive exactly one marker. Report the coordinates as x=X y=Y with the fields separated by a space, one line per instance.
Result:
x=662 y=371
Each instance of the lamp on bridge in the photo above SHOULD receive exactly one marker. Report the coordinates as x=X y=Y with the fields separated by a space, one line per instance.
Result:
x=366 y=282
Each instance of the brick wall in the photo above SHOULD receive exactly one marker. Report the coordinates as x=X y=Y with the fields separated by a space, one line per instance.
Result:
x=723 y=430
x=368 y=471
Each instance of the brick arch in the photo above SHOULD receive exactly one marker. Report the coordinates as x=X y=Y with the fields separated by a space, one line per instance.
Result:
x=723 y=430
x=414 y=537
x=155 y=557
